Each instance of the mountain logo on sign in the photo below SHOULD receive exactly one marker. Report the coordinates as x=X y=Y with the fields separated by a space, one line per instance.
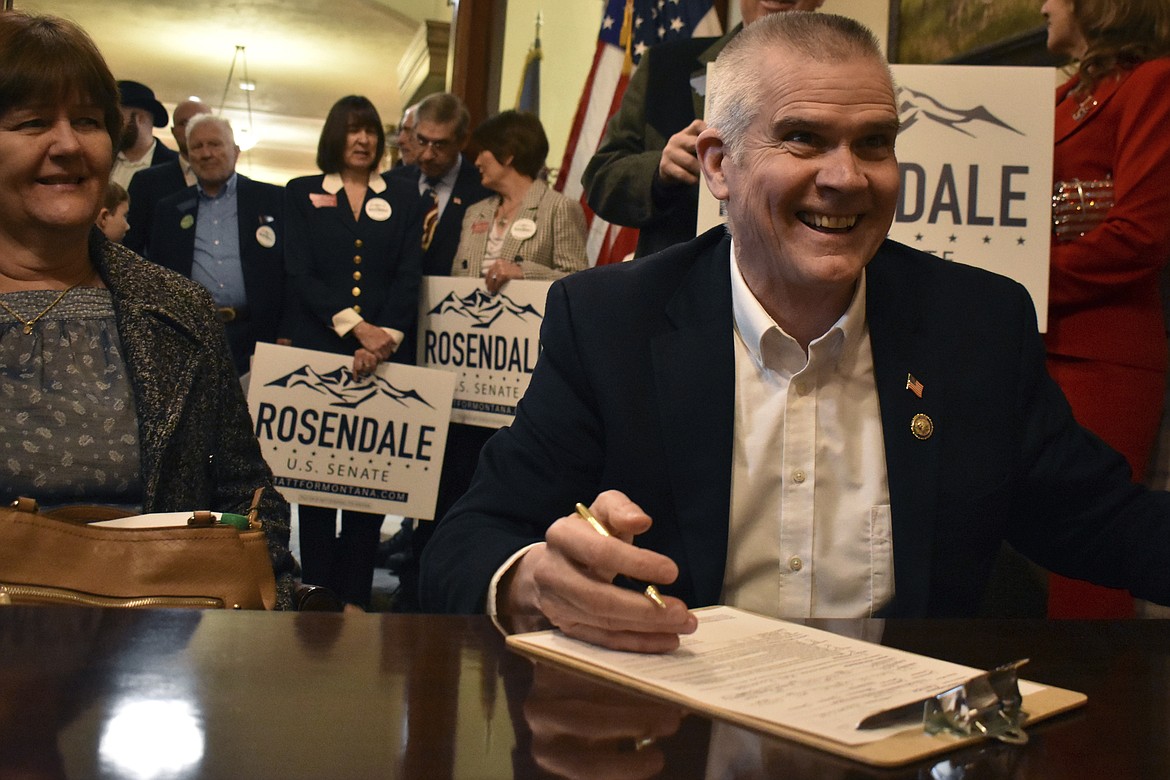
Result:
x=344 y=389
x=915 y=107
x=483 y=309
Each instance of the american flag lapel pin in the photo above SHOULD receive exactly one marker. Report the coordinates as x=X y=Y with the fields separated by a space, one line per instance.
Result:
x=913 y=385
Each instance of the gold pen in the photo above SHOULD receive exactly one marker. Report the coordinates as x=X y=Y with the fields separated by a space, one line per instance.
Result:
x=649 y=591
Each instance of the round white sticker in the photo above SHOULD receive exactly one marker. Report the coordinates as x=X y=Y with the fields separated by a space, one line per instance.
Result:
x=266 y=236
x=378 y=209
x=523 y=228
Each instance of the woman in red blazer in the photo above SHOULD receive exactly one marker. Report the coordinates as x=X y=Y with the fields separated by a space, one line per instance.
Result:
x=1111 y=212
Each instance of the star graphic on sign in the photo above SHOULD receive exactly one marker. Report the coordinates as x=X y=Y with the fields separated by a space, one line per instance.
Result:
x=677 y=24
x=918 y=237
x=952 y=238
x=1020 y=241
x=987 y=239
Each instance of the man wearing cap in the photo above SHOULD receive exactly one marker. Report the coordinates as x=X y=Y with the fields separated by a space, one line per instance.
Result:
x=141 y=113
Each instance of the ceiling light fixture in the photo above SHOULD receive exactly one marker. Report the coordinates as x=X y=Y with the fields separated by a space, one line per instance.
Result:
x=246 y=137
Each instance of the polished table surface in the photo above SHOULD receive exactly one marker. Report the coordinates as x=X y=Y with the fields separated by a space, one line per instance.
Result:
x=176 y=694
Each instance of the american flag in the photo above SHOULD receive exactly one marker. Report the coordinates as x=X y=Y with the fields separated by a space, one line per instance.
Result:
x=628 y=28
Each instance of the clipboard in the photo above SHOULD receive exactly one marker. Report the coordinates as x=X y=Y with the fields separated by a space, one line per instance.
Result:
x=903 y=745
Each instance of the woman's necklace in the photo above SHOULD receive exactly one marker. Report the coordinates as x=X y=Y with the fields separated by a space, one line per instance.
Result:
x=28 y=324
x=504 y=213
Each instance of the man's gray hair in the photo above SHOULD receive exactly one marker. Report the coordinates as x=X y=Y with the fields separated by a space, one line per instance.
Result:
x=221 y=121
x=734 y=92
x=445 y=108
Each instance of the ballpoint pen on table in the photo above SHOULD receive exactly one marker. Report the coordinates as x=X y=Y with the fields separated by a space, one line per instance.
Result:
x=649 y=591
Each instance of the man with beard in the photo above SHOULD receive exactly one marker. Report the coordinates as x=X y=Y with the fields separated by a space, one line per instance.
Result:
x=150 y=186
x=138 y=150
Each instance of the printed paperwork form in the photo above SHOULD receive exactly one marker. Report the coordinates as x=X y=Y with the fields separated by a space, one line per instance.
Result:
x=785 y=678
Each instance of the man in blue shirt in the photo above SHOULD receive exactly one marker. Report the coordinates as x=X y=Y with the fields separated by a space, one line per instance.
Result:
x=225 y=233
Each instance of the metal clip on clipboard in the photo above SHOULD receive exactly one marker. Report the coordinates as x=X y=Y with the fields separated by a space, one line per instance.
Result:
x=986 y=705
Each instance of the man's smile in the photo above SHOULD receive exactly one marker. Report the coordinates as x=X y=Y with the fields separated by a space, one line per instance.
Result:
x=828 y=222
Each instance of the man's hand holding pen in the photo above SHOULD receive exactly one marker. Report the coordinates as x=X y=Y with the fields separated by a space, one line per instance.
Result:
x=569 y=580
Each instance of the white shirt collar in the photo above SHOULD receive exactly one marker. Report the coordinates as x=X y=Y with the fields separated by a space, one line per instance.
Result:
x=753 y=322
x=143 y=161
x=332 y=182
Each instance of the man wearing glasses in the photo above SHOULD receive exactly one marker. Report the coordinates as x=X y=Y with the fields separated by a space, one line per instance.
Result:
x=447 y=181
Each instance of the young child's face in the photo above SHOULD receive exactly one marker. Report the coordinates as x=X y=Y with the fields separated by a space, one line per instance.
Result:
x=114 y=223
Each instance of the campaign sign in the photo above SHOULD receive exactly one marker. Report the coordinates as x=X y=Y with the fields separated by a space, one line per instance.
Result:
x=975 y=158
x=489 y=342
x=373 y=444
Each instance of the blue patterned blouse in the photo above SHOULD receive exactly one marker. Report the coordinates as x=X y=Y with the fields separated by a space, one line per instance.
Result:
x=68 y=429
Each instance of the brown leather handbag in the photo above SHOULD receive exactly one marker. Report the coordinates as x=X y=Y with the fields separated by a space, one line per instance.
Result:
x=58 y=558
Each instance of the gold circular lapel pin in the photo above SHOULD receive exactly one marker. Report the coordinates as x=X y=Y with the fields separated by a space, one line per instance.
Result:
x=922 y=427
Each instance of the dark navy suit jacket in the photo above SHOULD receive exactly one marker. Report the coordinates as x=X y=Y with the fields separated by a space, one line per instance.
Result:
x=336 y=262
x=146 y=189
x=172 y=244
x=468 y=189
x=634 y=391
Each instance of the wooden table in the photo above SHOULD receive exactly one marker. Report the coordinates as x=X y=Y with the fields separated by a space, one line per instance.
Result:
x=138 y=694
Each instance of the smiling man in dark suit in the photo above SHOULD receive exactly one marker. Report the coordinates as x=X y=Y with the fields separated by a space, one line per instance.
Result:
x=226 y=233
x=795 y=416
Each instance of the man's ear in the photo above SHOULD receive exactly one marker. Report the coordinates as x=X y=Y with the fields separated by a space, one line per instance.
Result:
x=712 y=154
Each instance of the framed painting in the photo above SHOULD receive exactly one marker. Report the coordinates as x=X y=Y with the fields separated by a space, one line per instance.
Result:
x=1004 y=32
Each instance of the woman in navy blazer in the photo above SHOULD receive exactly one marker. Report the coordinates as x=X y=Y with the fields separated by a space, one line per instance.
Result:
x=1106 y=335
x=354 y=264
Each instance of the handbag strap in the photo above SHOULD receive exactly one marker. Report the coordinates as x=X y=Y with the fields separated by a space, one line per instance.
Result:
x=81 y=514
x=254 y=510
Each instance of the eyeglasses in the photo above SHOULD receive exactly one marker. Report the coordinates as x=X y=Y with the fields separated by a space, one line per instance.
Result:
x=437 y=145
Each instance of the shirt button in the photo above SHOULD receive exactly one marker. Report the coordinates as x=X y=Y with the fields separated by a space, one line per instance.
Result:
x=802 y=388
x=798 y=476
x=357 y=276
x=357 y=259
x=795 y=563
x=356 y=291
x=357 y=243
x=357 y=308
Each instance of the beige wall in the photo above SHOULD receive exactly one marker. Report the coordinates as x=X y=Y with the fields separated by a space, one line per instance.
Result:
x=568 y=39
